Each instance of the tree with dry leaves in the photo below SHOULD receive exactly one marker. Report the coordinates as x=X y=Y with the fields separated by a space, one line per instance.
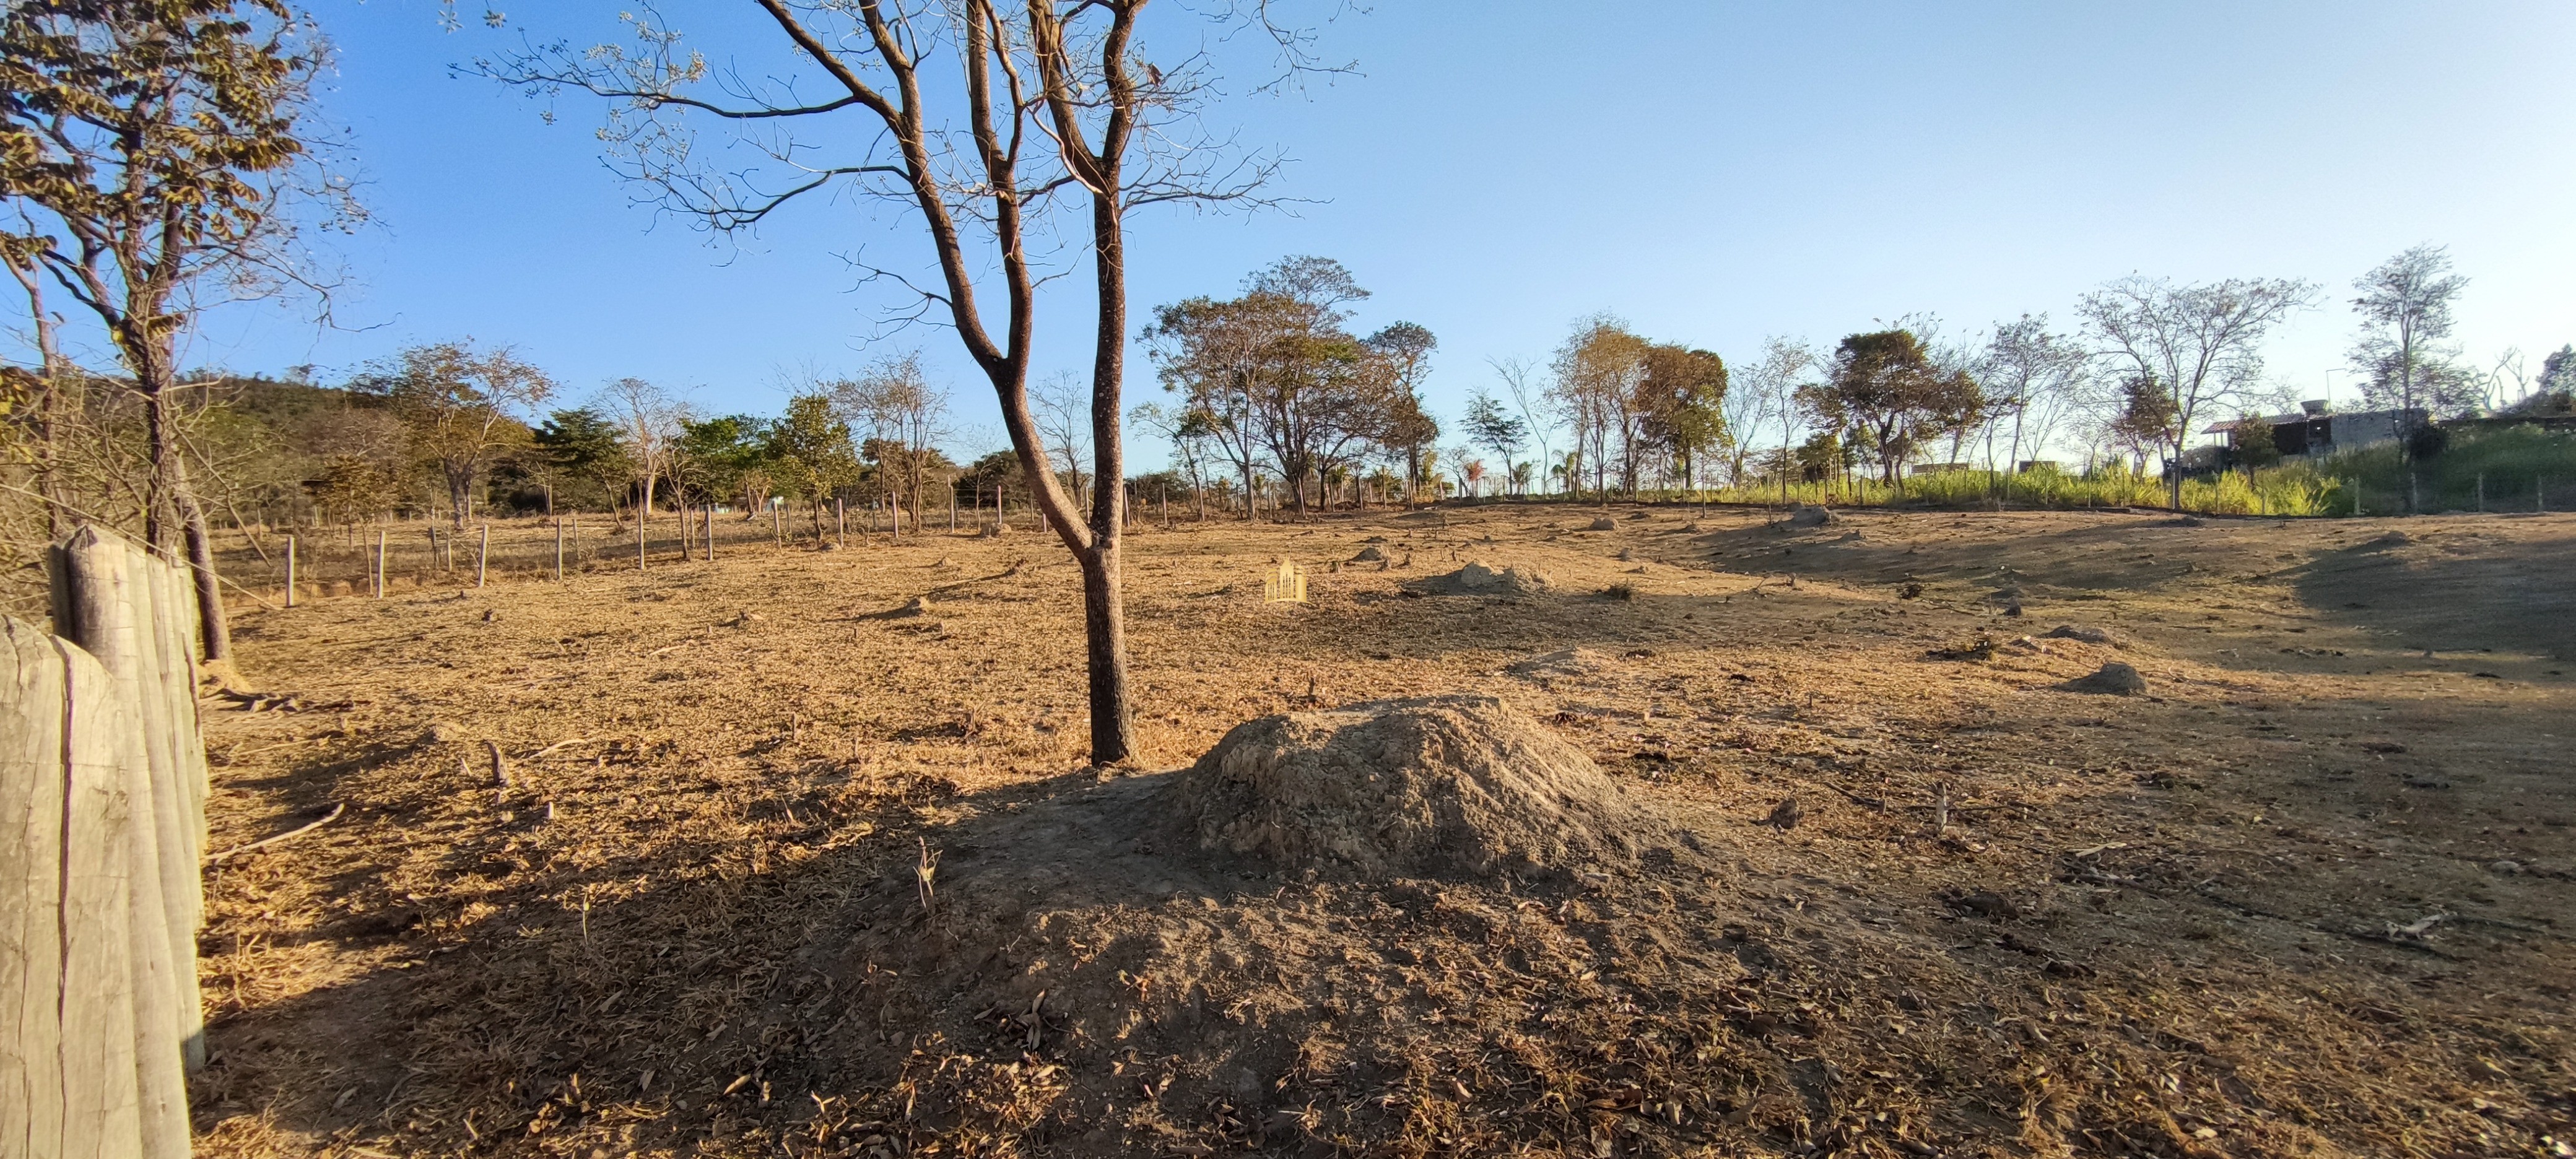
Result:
x=463 y=408
x=156 y=155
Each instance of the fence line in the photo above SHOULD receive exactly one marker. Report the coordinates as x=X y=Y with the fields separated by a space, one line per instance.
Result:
x=102 y=828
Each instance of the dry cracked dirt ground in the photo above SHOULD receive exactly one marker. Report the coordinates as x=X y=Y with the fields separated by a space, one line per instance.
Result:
x=2309 y=895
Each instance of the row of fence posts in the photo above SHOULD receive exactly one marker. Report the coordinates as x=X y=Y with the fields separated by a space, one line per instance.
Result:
x=701 y=544
x=2415 y=498
x=102 y=832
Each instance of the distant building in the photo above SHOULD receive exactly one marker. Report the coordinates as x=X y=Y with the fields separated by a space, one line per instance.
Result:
x=2316 y=431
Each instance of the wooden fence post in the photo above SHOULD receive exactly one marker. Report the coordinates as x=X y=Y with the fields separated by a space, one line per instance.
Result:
x=482 y=554
x=377 y=580
x=559 y=525
x=124 y=899
x=89 y=1064
x=290 y=571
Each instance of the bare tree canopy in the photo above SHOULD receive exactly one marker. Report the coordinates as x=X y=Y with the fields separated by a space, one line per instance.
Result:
x=2404 y=354
x=1059 y=106
x=902 y=416
x=2032 y=376
x=2200 y=344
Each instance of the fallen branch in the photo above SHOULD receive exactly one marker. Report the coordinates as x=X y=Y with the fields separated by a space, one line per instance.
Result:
x=298 y=831
x=561 y=744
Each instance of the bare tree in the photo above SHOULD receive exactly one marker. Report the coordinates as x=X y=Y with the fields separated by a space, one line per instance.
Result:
x=2404 y=354
x=650 y=423
x=1765 y=395
x=1056 y=99
x=1063 y=415
x=159 y=156
x=902 y=417
x=2033 y=376
x=2201 y=344
x=1531 y=401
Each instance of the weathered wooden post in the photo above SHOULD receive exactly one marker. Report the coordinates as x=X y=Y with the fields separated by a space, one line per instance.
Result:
x=559 y=546
x=840 y=522
x=89 y=1053
x=290 y=571
x=482 y=554
x=135 y=613
x=377 y=582
x=710 y=514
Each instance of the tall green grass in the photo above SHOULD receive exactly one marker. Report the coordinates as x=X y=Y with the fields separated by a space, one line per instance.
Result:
x=2294 y=490
x=2512 y=462
x=2518 y=467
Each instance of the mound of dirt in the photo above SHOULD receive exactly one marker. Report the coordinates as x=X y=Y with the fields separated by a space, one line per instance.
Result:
x=1806 y=516
x=2071 y=632
x=1454 y=787
x=1476 y=579
x=2113 y=679
x=2392 y=539
x=1605 y=523
x=1368 y=555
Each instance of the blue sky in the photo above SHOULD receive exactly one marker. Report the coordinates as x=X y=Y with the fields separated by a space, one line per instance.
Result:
x=1711 y=172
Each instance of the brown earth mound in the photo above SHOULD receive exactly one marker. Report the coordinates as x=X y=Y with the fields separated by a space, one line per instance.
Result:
x=1476 y=579
x=1438 y=787
x=2114 y=679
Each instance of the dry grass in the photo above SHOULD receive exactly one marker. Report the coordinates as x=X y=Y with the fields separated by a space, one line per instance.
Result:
x=691 y=924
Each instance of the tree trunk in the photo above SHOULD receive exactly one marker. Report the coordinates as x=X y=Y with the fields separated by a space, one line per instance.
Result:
x=1104 y=612
x=150 y=360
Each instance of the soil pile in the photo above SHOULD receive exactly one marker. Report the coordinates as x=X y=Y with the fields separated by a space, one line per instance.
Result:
x=2114 y=679
x=1476 y=579
x=1812 y=517
x=1439 y=787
